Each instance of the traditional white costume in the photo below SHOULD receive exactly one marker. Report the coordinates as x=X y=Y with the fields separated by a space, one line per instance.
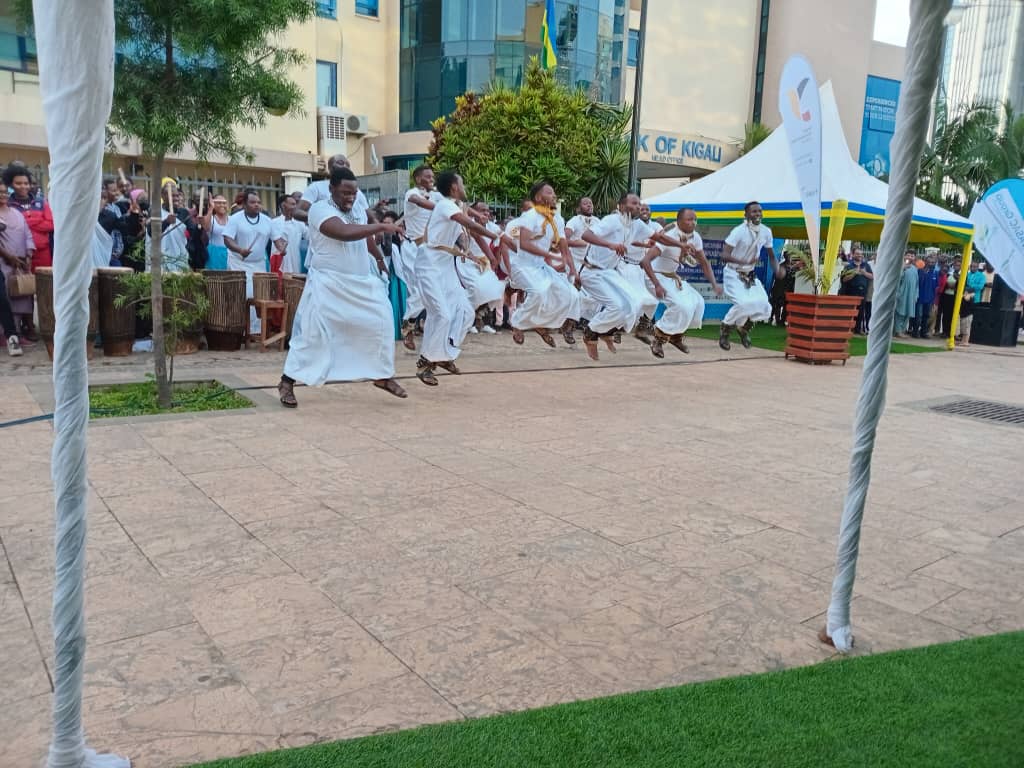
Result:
x=574 y=228
x=449 y=313
x=415 y=219
x=482 y=287
x=684 y=306
x=254 y=236
x=630 y=269
x=344 y=329
x=292 y=231
x=618 y=303
x=550 y=300
x=749 y=300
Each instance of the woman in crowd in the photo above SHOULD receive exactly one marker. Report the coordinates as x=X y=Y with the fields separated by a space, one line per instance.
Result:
x=16 y=255
x=214 y=223
x=26 y=198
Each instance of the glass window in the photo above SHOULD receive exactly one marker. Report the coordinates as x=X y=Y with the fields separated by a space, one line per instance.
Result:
x=327 y=9
x=481 y=21
x=366 y=7
x=586 y=31
x=634 y=47
x=326 y=84
x=511 y=19
x=453 y=20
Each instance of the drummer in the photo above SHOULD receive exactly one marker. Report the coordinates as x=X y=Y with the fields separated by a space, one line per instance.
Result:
x=247 y=237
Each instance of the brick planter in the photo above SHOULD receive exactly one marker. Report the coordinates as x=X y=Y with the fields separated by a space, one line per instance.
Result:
x=820 y=327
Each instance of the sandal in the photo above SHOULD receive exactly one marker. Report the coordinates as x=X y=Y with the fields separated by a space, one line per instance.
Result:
x=567 y=332
x=591 y=346
x=677 y=342
x=425 y=372
x=286 y=393
x=391 y=386
x=450 y=366
x=545 y=335
x=517 y=336
x=657 y=349
x=609 y=342
x=408 y=341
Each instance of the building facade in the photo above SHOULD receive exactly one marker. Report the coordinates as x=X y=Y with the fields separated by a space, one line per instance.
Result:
x=380 y=71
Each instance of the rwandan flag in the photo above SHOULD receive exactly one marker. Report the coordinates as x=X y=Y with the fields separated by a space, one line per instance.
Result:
x=549 y=56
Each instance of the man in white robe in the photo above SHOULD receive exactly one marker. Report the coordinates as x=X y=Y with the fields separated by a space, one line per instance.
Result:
x=574 y=229
x=741 y=252
x=644 y=230
x=483 y=286
x=551 y=302
x=684 y=307
x=420 y=200
x=246 y=237
x=449 y=313
x=287 y=235
x=344 y=329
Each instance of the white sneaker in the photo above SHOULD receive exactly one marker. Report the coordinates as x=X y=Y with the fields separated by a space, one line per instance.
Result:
x=14 y=347
x=488 y=329
x=472 y=329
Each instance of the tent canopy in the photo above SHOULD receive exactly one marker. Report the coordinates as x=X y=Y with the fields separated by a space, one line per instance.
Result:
x=766 y=174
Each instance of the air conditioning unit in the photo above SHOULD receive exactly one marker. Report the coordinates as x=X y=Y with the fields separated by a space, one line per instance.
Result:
x=357 y=124
x=330 y=131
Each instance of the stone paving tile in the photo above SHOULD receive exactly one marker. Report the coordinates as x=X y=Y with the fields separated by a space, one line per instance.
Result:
x=878 y=627
x=978 y=613
x=664 y=594
x=694 y=552
x=25 y=675
x=981 y=575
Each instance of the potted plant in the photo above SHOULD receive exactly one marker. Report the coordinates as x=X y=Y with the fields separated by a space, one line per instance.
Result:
x=820 y=324
x=185 y=306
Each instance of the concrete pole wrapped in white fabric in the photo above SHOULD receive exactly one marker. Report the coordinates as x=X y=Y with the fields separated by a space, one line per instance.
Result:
x=75 y=41
x=920 y=75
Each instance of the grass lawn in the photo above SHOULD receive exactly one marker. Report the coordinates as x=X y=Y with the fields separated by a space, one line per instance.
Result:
x=774 y=337
x=958 y=704
x=140 y=399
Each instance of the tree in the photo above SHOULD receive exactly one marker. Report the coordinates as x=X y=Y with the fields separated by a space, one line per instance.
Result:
x=753 y=134
x=504 y=140
x=188 y=73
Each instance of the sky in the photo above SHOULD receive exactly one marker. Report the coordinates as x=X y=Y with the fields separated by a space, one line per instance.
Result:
x=892 y=21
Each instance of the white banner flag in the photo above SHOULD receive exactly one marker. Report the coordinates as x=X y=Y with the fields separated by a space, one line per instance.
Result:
x=800 y=106
x=998 y=219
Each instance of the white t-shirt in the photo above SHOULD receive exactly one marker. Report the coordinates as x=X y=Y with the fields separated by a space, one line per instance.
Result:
x=579 y=224
x=747 y=244
x=670 y=258
x=415 y=216
x=321 y=190
x=533 y=222
x=251 y=235
x=292 y=232
x=641 y=231
x=217 y=232
x=441 y=229
x=349 y=257
x=474 y=247
x=173 y=247
x=615 y=227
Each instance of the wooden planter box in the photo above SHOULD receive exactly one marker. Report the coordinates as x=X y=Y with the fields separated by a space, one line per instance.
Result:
x=820 y=327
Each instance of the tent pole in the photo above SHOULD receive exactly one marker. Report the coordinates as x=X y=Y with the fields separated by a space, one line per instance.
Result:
x=965 y=263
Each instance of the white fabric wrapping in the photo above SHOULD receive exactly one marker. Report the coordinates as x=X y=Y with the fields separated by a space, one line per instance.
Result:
x=612 y=301
x=684 y=306
x=404 y=260
x=102 y=247
x=449 y=313
x=550 y=300
x=912 y=116
x=636 y=279
x=747 y=303
x=76 y=77
x=481 y=287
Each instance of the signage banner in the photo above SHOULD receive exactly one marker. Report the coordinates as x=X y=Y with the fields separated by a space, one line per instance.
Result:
x=713 y=251
x=683 y=149
x=998 y=219
x=800 y=106
x=881 y=97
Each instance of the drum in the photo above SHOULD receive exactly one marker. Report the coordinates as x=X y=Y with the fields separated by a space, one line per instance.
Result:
x=47 y=316
x=228 y=319
x=270 y=287
x=117 y=324
x=293 y=285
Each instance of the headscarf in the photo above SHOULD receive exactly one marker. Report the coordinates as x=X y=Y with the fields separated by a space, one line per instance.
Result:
x=135 y=194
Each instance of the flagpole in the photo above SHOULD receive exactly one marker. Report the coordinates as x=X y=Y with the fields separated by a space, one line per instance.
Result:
x=638 y=85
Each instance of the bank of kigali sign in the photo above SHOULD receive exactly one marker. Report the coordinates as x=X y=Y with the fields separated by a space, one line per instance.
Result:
x=680 y=149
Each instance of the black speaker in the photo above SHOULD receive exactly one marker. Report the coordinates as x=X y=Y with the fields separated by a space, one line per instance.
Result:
x=1003 y=296
x=995 y=327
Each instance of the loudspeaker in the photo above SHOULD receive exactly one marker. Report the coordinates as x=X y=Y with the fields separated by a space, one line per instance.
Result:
x=1003 y=296
x=995 y=327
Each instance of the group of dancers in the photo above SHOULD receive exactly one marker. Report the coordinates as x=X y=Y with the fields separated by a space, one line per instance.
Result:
x=604 y=276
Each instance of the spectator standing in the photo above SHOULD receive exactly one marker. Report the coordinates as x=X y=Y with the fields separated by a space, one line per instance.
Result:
x=7 y=324
x=928 y=285
x=947 y=299
x=990 y=276
x=906 y=297
x=16 y=252
x=856 y=279
x=963 y=337
x=975 y=281
x=214 y=223
x=28 y=199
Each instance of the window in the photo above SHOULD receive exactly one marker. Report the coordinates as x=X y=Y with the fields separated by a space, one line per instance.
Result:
x=634 y=47
x=327 y=9
x=326 y=84
x=366 y=7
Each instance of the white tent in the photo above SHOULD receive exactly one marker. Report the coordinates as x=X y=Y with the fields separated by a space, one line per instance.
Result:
x=766 y=174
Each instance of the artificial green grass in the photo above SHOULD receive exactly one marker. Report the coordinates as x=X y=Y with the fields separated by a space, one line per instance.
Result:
x=140 y=399
x=774 y=337
x=958 y=704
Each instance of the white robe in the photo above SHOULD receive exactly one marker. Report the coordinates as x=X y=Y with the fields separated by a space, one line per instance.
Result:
x=403 y=258
x=482 y=287
x=748 y=304
x=684 y=306
x=344 y=328
x=254 y=237
x=614 y=302
x=449 y=313
x=550 y=300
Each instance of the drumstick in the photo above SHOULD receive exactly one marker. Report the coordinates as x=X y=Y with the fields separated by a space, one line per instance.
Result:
x=120 y=174
x=202 y=197
x=170 y=200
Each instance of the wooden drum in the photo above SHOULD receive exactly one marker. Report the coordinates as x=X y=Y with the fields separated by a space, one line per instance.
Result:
x=268 y=286
x=117 y=324
x=227 y=321
x=47 y=315
x=293 y=285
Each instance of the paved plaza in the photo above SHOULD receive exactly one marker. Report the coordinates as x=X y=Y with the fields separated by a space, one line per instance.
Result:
x=538 y=530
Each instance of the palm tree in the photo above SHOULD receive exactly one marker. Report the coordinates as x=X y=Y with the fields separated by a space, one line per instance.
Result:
x=611 y=171
x=1004 y=158
x=753 y=134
